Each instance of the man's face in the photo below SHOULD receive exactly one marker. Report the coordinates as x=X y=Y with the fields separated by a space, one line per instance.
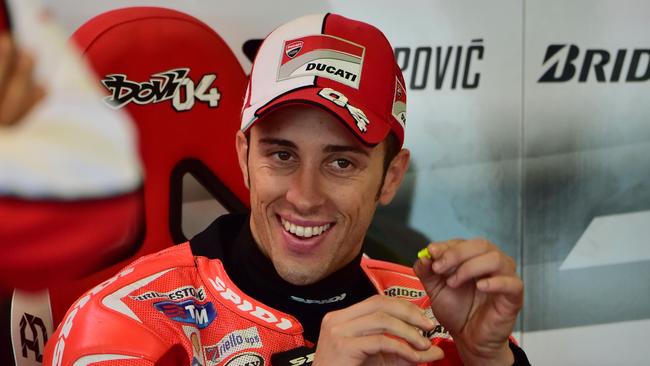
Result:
x=314 y=188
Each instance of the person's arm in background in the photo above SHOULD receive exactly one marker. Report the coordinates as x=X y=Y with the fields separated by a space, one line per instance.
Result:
x=70 y=177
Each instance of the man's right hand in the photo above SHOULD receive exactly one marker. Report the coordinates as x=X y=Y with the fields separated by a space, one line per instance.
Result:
x=378 y=331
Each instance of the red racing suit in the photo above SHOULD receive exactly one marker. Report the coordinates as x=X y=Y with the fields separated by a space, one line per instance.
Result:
x=174 y=308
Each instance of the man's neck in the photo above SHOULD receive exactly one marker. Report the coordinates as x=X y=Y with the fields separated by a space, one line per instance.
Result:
x=253 y=272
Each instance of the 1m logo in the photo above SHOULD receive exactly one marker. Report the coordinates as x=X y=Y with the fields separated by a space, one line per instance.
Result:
x=563 y=62
x=33 y=342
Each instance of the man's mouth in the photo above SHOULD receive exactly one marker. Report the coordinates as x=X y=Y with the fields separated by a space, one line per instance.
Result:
x=304 y=231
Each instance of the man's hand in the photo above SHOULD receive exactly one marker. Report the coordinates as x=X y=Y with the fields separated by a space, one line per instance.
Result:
x=18 y=90
x=476 y=295
x=377 y=331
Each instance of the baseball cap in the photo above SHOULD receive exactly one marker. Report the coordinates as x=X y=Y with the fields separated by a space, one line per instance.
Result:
x=342 y=65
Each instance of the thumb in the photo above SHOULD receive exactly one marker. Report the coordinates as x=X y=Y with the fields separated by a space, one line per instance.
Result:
x=431 y=281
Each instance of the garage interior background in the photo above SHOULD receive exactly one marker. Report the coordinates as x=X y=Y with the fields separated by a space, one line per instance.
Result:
x=528 y=122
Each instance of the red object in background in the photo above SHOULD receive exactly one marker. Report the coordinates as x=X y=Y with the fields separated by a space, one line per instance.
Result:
x=60 y=240
x=139 y=44
x=5 y=20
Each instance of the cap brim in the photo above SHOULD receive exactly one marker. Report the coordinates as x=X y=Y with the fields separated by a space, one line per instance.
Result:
x=376 y=130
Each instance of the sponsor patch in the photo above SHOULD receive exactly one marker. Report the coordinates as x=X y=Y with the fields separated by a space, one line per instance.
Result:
x=188 y=311
x=323 y=56
x=294 y=357
x=319 y=301
x=291 y=49
x=405 y=292
x=193 y=334
x=438 y=331
x=245 y=306
x=399 y=103
x=246 y=359
x=175 y=294
x=232 y=343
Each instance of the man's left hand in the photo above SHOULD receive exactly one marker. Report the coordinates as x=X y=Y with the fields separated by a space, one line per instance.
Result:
x=476 y=295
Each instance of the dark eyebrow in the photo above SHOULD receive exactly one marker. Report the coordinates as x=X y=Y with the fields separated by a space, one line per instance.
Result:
x=327 y=149
x=274 y=141
x=345 y=148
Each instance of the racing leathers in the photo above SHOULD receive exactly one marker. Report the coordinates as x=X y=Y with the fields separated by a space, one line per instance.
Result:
x=217 y=300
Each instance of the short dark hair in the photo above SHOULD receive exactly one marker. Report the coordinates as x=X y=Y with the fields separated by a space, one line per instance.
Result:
x=392 y=149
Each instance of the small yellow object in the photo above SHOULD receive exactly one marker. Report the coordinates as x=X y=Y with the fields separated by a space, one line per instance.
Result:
x=424 y=253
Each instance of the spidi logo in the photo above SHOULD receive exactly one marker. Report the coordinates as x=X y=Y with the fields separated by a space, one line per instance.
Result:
x=566 y=62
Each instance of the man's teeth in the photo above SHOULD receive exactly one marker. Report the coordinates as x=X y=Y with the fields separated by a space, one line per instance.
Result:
x=304 y=231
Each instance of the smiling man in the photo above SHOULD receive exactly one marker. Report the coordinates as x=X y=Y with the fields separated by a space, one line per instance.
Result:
x=320 y=148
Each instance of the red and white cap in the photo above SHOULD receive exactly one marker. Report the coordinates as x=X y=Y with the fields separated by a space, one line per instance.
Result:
x=343 y=65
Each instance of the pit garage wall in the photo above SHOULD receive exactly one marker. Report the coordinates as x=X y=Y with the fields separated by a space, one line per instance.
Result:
x=515 y=137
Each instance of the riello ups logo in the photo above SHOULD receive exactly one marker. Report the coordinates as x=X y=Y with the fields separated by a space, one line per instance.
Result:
x=567 y=62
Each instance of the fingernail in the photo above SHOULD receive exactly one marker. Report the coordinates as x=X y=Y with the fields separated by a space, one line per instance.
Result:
x=483 y=285
x=434 y=250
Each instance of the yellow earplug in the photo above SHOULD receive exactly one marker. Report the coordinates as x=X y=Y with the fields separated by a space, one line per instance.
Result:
x=424 y=253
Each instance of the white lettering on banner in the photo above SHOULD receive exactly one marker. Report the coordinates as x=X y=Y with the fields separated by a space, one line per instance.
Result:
x=67 y=324
x=342 y=101
x=246 y=306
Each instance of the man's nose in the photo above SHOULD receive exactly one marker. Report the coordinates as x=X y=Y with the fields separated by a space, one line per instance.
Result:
x=305 y=191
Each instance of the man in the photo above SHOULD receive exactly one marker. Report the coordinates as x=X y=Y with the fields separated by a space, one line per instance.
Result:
x=320 y=147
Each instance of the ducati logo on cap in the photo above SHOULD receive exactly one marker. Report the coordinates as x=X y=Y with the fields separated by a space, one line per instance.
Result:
x=292 y=48
x=323 y=56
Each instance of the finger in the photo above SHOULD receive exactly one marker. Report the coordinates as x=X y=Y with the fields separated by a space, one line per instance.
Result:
x=490 y=263
x=510 y=286
x=380 y=344
x=461 y=252
x=436 y=249
x=381 y=323
x=398 y=308
x=5 y=59
x=21 y=93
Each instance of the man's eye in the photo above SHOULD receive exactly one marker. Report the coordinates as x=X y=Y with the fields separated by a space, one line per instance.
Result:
x=283 y=155
x=342 y=163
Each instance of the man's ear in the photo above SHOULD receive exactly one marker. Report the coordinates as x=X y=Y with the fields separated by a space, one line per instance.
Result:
x=241 y=144
x=394 y=175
